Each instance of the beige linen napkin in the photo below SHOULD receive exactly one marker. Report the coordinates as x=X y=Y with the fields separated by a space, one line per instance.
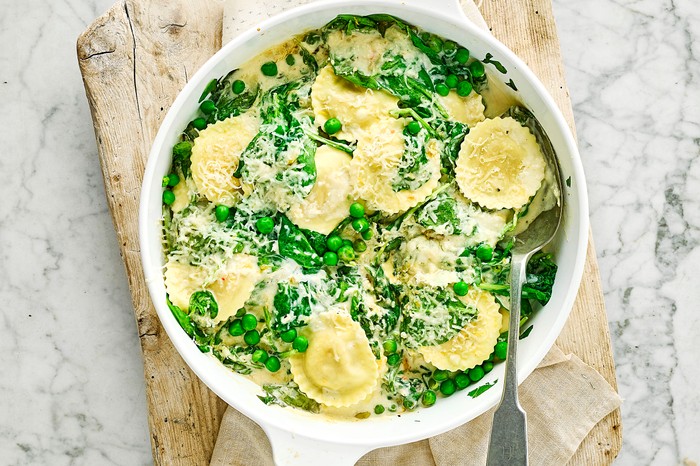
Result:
x=564 y=397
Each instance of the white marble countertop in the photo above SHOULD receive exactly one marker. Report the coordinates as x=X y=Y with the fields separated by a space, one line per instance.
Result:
x=71 y=388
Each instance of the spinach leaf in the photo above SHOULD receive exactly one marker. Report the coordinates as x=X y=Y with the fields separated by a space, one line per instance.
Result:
x=200 y=338
x=452 y=133
x=293 y=244
x=479 y=390
x=412 y=172
x=237 y=358
x=182 y=318
x=288 y=395
x=290 y=306
x=203 y=303
x=440 y=212
x=432 y=316
x=282 y=145
x=316 y=240
x=181 y=157
x=227 y=102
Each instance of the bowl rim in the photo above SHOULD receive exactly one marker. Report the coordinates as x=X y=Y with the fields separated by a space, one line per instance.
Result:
x=153 y=272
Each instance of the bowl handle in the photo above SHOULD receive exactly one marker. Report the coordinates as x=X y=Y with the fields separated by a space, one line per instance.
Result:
x=290 y=449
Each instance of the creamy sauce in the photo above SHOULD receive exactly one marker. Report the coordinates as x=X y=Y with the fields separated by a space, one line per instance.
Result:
x=281 y=275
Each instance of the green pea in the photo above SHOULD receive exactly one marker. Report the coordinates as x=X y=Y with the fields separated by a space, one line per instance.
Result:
x=260 y=356
x=501 y=350
x=477 y=69
x=265 y=225
x=235 y=328
x=238 y=86
x=249 y=322
x=449 y=47
x=476 y=374
x=272 y=364
x=390 y=346
x=173 y=180
x=330 y=258
x=367 y=235
x=290 y=60
x=379 y=409
x=165 y=181
x=429 y=398
x=346 y=253
x=464 y=88
x=492 y=356
x=460 y=288
x=484 y=252
x=451 y=81
x=357 y=210
x=488 y=367
x=288 y=336
x=332 y=126
x=462 y=380
x=359 y=246
x=409 y=403
x=221 y=212
x=168 y=197
x=393 y=359
x=392 y=408
x=334 y=242
x=360 y=225
x=269 y=68
x=199 y=123
x=462 y=56
x=414 y=127
x=207 y=107
x=300 y=344
x=251 y=337
x=442 y=89
x=441 y=375
x=347 y=242
x=448 y=387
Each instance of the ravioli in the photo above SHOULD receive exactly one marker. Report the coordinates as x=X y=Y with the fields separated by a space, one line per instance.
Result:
x=474 y=343
x=181 y=280
x=338 y=369
x=234 y=285
x=468 y=110
x=375 y=163
x=356 y=107
x=231 y=288
x=500 y=164
x=215 y=155
x=331 y=196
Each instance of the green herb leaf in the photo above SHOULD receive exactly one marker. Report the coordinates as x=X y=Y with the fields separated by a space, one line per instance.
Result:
x=294 y=245
x=288 y=395
x=479 y=390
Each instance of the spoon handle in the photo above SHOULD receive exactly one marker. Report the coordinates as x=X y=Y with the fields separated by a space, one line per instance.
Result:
x=508 y=444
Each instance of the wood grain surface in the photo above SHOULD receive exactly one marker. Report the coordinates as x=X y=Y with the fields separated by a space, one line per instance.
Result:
x=134 y=60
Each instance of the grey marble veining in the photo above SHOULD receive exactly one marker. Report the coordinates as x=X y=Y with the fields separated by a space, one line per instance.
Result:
x=634 y=77
x=71 y=389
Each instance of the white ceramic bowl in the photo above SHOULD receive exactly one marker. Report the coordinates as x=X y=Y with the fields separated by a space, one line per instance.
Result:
x=298 y=437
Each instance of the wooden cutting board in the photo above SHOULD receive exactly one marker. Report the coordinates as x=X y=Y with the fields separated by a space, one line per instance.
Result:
x=134 y=60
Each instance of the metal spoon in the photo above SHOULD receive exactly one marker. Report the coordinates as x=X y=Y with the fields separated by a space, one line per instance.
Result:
x=508 y=444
